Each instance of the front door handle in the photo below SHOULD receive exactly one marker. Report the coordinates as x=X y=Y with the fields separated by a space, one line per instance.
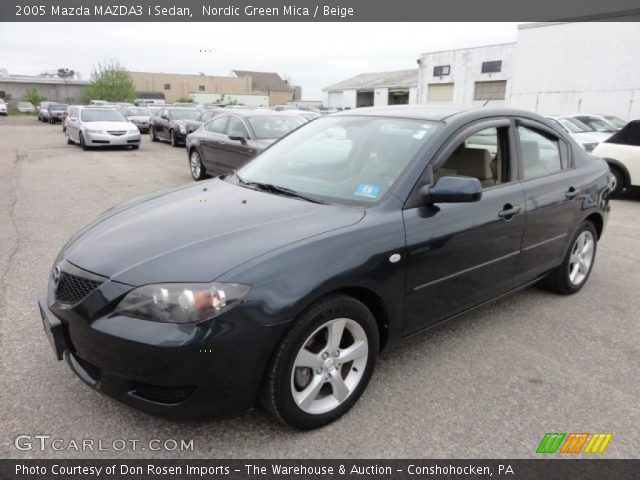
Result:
x=509 y=211
x=571 y=193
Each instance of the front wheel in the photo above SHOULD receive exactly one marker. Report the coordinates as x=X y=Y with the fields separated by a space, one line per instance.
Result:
x=195 y=165
x=619 y=186
x=323 y=364
x=571 y=276
x=82 y=142
x=173 y=139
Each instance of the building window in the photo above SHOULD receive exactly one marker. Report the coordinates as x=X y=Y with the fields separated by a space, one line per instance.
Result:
x=167 y=86
x=495 y=90
x=441 y=70
x=440 y=92
x=492 y=67
x=201 y=88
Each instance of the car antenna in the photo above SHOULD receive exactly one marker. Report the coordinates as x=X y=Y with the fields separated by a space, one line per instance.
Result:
x=490 y=97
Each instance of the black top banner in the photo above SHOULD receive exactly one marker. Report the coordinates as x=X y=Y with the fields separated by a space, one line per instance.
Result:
x=315 y=10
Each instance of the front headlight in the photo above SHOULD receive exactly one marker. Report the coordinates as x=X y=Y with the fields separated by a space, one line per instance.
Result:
x=94 y=131
x=181 y=302
x=183 y=129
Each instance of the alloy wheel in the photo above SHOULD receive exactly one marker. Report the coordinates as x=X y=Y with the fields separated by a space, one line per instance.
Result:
x=329 y=366
x=582 y=253
x=196 y=166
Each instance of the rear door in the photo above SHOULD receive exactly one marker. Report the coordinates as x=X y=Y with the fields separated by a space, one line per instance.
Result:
x=460 y=255
x=213 y=142
x=553 y=191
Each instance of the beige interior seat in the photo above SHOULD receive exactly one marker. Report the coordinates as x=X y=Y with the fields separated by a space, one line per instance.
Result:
x=476 y=162
x=470 y=162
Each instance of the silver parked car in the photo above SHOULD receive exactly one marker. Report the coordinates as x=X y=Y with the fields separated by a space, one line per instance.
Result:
x=43 y=112
x=100 y=127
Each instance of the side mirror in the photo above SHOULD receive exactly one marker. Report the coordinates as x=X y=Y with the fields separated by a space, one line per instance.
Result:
x=239 y=137
x=452 y=190
x=164 y=117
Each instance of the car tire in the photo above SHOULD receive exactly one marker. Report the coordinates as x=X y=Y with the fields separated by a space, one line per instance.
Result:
x=152 y=134
x=617 y=190
x=578 y=262
x=70 y=142
x=307 y=358
x=135 y=147
x=172 y=139
x=196 y=167
x=82 y=142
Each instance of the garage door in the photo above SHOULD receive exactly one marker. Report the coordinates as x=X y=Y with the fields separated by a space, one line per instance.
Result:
x=440 y=92
x=492 y=90
x=335 y=99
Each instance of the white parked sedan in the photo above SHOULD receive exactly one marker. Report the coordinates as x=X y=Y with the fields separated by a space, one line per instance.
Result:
x=622 y=153
x=100 y=127
x=584 y=138
x=3 y=107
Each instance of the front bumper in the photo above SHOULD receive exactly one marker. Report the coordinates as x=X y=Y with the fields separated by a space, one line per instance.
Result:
x=209 y=369
x=105 y=139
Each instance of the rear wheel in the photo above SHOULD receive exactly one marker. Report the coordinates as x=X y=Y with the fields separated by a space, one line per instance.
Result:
x=70 y=142
x=323 y=364
x=571 y=276
x=619 y=186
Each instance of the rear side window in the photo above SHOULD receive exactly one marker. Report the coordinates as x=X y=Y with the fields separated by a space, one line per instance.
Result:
x=218 y=125
x=237 y=126
x=540 y=153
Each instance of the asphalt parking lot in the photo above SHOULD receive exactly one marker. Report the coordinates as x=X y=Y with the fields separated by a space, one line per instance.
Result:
x=489 y=384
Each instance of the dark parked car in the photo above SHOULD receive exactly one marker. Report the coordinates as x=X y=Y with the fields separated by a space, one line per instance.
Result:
x=282 y=281
x=139 y=116
x=170 y=123
x=231 y=139
x=56 y=112
x=193 y=125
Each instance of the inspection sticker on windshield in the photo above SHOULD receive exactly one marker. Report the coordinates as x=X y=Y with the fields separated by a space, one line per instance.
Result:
x=369 y=191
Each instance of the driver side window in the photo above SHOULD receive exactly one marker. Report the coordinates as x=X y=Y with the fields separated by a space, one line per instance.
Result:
x=482 y=155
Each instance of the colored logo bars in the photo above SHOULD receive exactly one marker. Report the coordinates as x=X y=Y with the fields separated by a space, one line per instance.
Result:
x=573 y=442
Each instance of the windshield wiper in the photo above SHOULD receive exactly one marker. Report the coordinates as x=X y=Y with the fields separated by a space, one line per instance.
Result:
x=288 y=192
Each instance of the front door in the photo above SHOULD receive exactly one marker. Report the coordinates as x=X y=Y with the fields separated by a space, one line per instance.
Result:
x=459 y=255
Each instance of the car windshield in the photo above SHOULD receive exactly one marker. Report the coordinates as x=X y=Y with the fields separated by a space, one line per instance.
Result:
x=138 y=112
x=274 y=126
x=575 y=124
x=101 y=115
x=597 y=125
x=58 y=106
x=615 y=121
x=185 y=114
x=350 y=159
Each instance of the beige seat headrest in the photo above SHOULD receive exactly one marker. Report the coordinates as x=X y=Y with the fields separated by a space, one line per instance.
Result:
x=475 y=162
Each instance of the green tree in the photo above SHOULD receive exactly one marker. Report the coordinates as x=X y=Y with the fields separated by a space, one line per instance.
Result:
x=110 y=81
x=32 y=95
x=65 y=74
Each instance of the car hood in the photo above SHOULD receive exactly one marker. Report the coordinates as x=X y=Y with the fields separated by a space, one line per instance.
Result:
x=581 y=137
x=110 y=125
x=197 y=232
x=598 y=136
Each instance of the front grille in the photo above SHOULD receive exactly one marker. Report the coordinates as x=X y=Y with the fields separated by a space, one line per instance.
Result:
x=72 y=289
x=160 y=394
x=116 y=133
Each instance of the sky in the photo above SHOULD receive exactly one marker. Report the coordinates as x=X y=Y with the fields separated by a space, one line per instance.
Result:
x=313 y=55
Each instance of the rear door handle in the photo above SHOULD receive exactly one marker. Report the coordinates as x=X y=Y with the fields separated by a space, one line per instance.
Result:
x=509 y=211
x=572 y=192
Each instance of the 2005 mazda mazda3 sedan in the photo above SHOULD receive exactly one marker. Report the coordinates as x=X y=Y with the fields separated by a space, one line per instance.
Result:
x=281 y=282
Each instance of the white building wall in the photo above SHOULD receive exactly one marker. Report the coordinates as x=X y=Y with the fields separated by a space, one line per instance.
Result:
x=465 y=70
x=413 y=95
x=566 y=68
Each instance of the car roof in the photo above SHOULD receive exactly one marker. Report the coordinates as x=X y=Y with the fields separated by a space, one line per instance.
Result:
x=256 y=113
x=437 y=113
